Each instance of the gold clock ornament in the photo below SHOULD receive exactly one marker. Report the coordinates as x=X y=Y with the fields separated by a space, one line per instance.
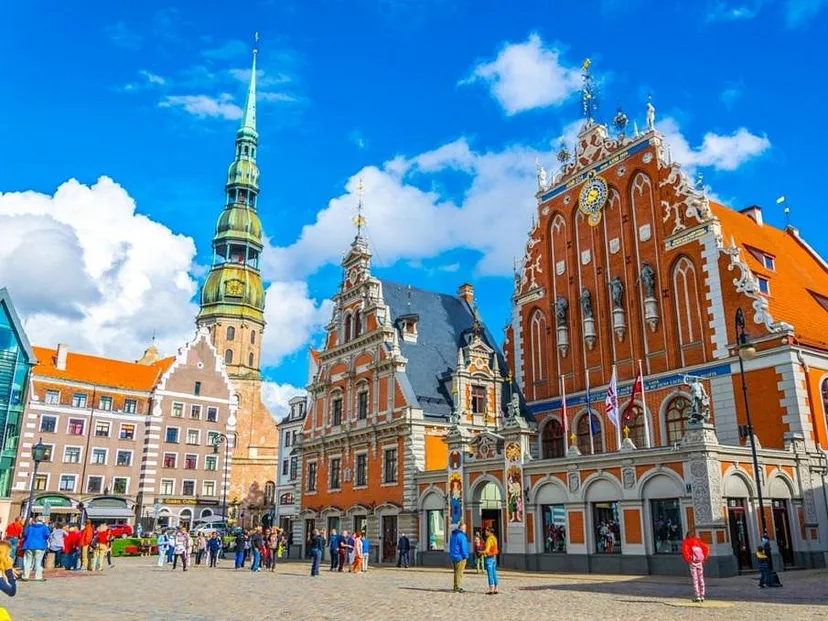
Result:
x=234 y=288
x=593 y=197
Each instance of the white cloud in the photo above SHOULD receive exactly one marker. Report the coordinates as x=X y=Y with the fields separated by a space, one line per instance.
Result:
x=722 y=11
x=153 y=78
x=204 y=106
x=527 y=75
x=277 y=396
x=721 y=152
x=292 y=318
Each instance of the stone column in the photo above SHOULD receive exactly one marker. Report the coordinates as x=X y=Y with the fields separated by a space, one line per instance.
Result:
x=517 y=438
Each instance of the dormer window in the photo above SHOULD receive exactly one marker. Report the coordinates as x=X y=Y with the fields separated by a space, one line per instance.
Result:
x=478 y=398
x=770 y=263
x=764 y=285
x=408 y=327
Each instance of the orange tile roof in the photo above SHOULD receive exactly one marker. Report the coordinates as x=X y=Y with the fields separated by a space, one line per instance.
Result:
x=100 y=371
x=797 y=271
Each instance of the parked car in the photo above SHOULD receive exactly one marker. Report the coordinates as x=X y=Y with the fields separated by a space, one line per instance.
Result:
x=120 y=530
x=219 y=527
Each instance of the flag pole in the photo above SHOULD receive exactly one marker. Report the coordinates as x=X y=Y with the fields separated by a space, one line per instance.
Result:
x=564 y=415
x=615 y=410
x=644 y=404
x=589 y=416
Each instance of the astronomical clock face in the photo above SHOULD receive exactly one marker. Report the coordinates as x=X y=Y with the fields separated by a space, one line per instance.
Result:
x=234 y=288
x=592 y=199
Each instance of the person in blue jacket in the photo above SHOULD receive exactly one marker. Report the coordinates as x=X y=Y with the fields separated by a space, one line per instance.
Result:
x=333 y=546
x=35 y=541
x=459 y=553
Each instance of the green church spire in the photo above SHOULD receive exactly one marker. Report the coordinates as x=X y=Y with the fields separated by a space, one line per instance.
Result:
x=233 y=289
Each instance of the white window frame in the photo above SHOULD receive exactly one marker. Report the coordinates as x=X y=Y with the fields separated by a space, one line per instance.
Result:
x=134 y=431
x=85 y=400
x=204 y=490
x=207 y=415
x=92 y=456
x=69 y=424
x=385 y=483
x=57 y=423
x=198 y=437
x=354 y=481
x=178 y=434
x=95 y=476
x=108 y=424
x=207 y=460
x=101 y=402
x=185 y=481
x=307 y=477
x=48 y=476
x=131 y=458
x=51 y=453
x=769 y=262
x=183 y=409
x=126 y=491
x=74 y=478
x=164 y=460
x=759 y=281
x=135 y=406
x=214 y=435
x=47 y=394
x=161 y=487
x=80 y=454
x=184 y=465
x=195 y=407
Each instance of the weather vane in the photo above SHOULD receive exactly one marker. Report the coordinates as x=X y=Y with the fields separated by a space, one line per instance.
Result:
x=359 y=220
x=589 y=101
x=256 y=42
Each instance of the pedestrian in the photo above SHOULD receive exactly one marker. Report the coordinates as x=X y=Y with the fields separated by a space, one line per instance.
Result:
x=8 y=575
x=162 y=541
x=71 y=542
x=289 y=543
x=14 y=532
x=87 y=534
x=479 y=549
x=35 y=541
x=459 y=553
x=241 y=542
x=109 y=540
x=256 y=543
x=101 y=541
x=366 y=549
x=403 y=551
x=317 y=544
x=333 y=548
x=213 y=546
x=695 y=552
x=56 y=540
x=181 y=548
x=763 y=565
x=356 y=565
x=273 y=550
x=350 y=550
x=200 y=547
x=490 y=561
x=343 y=549
x=170 y=545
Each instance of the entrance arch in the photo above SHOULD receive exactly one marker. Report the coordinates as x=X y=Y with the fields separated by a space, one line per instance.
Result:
x=487 y=508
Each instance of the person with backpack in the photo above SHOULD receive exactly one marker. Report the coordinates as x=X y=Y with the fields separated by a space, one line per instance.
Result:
x=695 y=552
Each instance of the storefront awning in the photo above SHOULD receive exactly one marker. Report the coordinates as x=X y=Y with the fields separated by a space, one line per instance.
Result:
x=105 y=513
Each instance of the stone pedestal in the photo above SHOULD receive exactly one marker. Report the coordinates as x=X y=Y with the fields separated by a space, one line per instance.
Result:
x=49 y=561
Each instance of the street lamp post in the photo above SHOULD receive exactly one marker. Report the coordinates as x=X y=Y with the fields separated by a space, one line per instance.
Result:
x=219 y=439
x=746 y=350
x=38 y=455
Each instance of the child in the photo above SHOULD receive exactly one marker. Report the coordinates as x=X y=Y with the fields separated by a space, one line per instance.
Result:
x=764 y=567
x=479 y=548
x=695 y=552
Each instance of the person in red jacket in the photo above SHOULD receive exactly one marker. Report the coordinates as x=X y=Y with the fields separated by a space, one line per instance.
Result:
x=14 y=532
x=85 y=540
x=71 y=547
x=695 y=553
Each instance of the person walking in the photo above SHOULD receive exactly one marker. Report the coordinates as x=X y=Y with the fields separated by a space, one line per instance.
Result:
x=56 y=540
x=403 y=551
x=162 y=541
x=213 y=545
x=333 y=548
x=273 y=549
x=200 y=547
x=490 y=561
x=241 y=542
x=343 y=550
x=356 y=566
x=288 y=544
x=256 y=543
x=87 y=534
x=763 y=565
x=458 y=554
x=366 y=549
x=695 y=552
x=101 y=544
x=479 y=549
x=35 y=541
x=317 y=544
x=14 y=532
x=181 y=544
x=170 y=545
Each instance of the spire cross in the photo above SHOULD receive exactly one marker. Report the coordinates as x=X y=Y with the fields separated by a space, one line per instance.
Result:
x=359 y=220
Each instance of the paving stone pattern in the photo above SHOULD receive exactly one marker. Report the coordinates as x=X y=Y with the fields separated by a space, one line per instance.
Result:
x=138 y=590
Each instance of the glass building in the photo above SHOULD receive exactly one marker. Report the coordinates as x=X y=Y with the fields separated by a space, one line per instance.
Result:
x=16 y=359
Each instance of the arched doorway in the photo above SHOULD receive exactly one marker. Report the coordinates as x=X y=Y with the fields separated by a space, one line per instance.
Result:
x=185 y=518
x=488 y=497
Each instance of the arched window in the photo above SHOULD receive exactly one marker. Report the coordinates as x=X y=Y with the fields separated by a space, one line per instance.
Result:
x=250 y=360
x=537 y=335
x=552 y=440
x=583 y=433
x=252 y=337
x=228 y=356
x=357 y=323
x=231 y=333
x=635 y=423
x=270 y=492
x=674 y=418
x=347 y=322
x=686 y=298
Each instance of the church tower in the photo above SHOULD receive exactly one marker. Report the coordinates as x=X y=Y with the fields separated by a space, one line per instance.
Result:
x=232 y=309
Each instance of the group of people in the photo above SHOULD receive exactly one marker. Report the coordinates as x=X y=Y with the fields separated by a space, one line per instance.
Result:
x=346 y=550
x=263 y=546
x=485 y=552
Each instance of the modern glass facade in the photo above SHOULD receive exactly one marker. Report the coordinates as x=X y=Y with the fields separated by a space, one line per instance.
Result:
x=16 y=359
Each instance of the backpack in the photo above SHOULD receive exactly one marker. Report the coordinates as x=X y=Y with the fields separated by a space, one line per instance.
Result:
x=697 y=554
x=94 y=543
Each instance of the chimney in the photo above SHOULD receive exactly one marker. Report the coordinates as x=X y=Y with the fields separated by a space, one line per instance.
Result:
x=754 y=212
x=466 y=292
x=62 y=352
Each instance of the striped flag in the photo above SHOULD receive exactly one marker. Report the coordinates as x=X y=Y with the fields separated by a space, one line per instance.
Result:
x=611 y=401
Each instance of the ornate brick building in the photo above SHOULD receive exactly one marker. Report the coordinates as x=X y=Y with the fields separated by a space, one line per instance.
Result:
x=232 y=309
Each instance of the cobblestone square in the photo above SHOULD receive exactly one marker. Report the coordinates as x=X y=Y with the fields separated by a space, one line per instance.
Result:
x=137 y=590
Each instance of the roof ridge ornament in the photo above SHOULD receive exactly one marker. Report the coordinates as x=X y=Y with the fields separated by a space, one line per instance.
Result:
x=589 y=100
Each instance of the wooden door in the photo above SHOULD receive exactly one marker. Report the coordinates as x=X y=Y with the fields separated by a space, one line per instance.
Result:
x=737 y=519
x=389 y=538
x=782 y=529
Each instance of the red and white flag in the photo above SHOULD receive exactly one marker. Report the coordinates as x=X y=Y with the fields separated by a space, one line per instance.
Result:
x=637 y=394
x=611 y=402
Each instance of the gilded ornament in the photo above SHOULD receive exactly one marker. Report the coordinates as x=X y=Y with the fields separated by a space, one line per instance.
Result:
x=592 y=199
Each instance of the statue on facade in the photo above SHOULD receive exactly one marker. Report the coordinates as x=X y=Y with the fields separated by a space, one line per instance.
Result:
x=561 y=306
x=617 y=292
x=513 y=409
x=650 y=115
x=700 y=406
x=647 y=278
x=541 y=175
x=586 y=303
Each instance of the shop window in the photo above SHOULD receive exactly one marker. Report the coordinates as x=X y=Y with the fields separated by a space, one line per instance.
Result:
x=554 y=528
x=606 y=524
x=436 y=522
x=666 y=526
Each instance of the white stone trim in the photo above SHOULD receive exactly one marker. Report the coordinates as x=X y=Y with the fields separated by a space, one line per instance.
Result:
x=711 y=245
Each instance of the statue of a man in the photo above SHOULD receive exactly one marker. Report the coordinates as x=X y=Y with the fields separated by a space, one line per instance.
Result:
x=617 y=292
x=541 y=175
x=648 y=280
x=650 y=115
x=700 y=408
x=561 y=306
x=586 y=303
x=513 y=409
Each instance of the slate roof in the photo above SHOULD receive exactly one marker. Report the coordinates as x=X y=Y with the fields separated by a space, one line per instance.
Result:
x=444 y=326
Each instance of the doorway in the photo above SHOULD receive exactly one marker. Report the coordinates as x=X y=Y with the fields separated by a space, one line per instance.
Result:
x=782 y=529
x=737 y=520
x=310 y=524
x=360 y=524
x=389 y=538
x=490 y=518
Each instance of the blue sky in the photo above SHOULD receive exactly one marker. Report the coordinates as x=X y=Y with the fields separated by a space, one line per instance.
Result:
x=442 y=106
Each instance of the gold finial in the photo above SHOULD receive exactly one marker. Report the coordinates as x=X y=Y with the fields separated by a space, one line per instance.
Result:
x=587 y=63
x=573 y=438
x=626 y=432
x=359 y=220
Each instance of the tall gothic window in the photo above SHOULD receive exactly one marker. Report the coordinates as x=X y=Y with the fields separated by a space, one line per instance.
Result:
x=635 y=423
x=357 y=323
x=231 y=333
x=250 y=360
x=347 y=322
x=537 y=334
x=252 y=337
x=228 y=356
x=552 y=440
x=583 y=433
x=686 y=298
x=677 y=412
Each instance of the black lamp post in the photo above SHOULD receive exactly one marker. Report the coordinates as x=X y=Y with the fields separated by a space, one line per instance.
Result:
x=38 y=455
x=221 y=438
x=746 y=350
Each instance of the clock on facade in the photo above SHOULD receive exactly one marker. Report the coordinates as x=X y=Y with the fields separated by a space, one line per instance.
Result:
x=592 y=199
x=234 y=288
